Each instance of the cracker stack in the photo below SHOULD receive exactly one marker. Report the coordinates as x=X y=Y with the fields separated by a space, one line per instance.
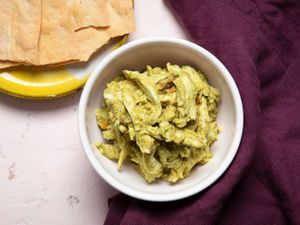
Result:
x=58 y=32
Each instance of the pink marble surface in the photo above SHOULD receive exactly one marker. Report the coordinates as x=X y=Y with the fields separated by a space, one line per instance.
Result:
x=45 y=178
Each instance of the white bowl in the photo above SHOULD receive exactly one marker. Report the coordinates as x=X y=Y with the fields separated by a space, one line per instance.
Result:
x=157 y=52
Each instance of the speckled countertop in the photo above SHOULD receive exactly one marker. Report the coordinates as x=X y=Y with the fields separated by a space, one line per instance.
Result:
x=45 y=178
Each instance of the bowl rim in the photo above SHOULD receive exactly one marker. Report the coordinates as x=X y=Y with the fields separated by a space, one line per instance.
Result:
x=183 y=193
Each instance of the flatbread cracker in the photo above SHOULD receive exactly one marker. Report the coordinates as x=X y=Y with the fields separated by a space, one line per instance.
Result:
x=57 y=32
x=59 y=42
x=7 y=64
x=122 y=22
x=20 y=29
x=89 y=13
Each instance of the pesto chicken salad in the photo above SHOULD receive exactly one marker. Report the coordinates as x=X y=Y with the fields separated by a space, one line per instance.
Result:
x=162 y=120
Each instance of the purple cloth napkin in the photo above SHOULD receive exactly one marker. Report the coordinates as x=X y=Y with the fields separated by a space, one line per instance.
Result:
x=259 y=42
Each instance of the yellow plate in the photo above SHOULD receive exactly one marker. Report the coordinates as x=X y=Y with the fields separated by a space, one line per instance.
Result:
x=48 y=83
